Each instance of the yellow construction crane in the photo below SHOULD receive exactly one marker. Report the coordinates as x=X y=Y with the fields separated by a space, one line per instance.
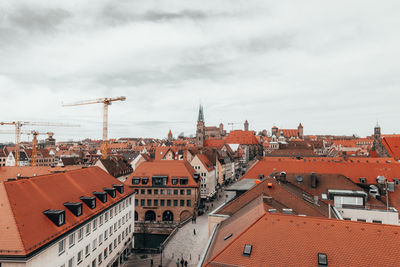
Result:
x=18 y=125
x=106 y=102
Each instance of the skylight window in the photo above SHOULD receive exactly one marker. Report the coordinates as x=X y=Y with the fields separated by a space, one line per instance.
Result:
x=322 y=259
x=247 y=250
x=228 y=236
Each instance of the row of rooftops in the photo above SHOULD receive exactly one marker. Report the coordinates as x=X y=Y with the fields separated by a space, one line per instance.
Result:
x=272 y=225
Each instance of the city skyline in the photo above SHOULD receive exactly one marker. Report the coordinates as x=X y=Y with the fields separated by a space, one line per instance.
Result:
x=333 y=69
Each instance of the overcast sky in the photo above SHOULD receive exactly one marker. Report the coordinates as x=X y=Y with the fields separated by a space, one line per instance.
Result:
x=334 y=66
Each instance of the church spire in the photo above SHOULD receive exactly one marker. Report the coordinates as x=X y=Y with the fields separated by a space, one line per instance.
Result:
x=201 y=115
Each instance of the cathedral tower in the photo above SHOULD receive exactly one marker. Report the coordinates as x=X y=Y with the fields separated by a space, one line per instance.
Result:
x=200 y=131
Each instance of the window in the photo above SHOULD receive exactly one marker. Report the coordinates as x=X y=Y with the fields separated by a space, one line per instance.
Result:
x=115 y=227
x=149 y=191
x=184 y=181
x=160 y=180
x=105 y=253
x=88 y=229
x=115 y=243
x=188 y=192
x=111 y=230
x=106 y=234
x=111 y=213
x=136 y=202
x=135 y=180
x=100 y=258
x=79 y=259
x=119 y=239
x=174 y=181
x=145 y=180
x=361 y=220
x=188 y=203
x=155 y=191
x=100 y=239
x=182 y=202
x=87 y=250
x=94 y=244
x=155 y=202
x=71 y=262
x=94 y=225
x=94 y=263
x=71 y=240
x=61 y=247
x=169 y=202
x=142 y=191
x=175 y=191
x=161 y=191
x=101 y=219
x=175 y=202
x=110 y=247
x=162 y=202
x=119 y=223
x=142 y=202
x=362 y=180
x=106 y=217
x=247 y=250
x=149 y=202
x=376 y=221
x=396 y=181
x=182 y=191
x=136 y=191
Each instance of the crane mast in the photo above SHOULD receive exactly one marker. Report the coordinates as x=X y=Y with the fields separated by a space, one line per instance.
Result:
x=106 y=102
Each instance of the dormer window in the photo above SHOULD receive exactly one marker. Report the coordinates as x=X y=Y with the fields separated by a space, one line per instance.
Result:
x=362 y=180
x=102 y=196
x=135 y=180
x=145 y=180
x=74 y=207
x=111 y=191
x=119 y=187
x=56 y=216
x=174 y=181
x=184 y=181
x=89 y=201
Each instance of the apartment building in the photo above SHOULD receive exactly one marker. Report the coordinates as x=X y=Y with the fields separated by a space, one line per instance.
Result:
x=76 y=218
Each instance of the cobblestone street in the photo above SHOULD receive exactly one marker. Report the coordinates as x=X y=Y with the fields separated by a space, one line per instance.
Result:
x=185 y=243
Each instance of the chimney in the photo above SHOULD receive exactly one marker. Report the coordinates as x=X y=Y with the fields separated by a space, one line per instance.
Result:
x=313 y=180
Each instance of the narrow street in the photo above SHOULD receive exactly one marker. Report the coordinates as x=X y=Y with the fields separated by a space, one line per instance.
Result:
x=185 y=243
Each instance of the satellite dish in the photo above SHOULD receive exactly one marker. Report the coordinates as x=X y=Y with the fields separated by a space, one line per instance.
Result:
x=299 y=179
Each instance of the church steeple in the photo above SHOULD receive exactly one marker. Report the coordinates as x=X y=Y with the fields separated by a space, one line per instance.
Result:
x=201 y=114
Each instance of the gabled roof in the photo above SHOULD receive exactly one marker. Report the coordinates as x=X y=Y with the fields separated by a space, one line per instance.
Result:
x=392 y=144
x=30 y=171
x=241 y=137
x=206 y=162
x=26 y=228
x=286 y=240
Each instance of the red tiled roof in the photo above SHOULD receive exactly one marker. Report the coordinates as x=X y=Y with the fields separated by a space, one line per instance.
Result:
x=206 y=162
x=218 y=143
x=392 y=145
x=170 y=168
x=241 y=137
x=29 y=171
x=286 y=240
x=30 y=197
x=353 y=168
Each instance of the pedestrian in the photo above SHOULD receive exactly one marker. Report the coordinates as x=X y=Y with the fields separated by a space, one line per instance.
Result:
x=194 y=231
x=182 y=262
x=151 y=262
x=177 y=262
x=186 y=263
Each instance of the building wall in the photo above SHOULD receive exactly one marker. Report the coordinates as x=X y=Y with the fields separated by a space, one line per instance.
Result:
x=208 y=178
x=386 y=217
x=168 y=195
x=122 y=217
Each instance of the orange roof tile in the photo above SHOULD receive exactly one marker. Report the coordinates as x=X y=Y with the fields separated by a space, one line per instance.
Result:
x=241 y=137
x=286 y=240
x=353 y=168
